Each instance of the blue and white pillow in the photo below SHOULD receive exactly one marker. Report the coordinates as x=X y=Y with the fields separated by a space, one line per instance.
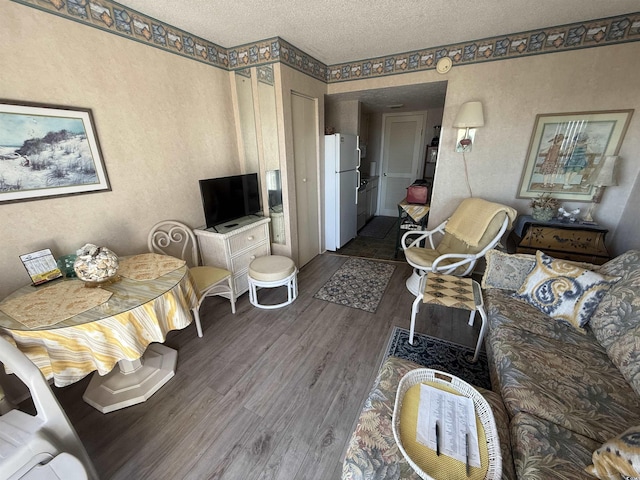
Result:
x=563 y=290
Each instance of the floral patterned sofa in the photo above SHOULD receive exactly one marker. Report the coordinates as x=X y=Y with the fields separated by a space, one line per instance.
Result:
x=567 y=390
x=373 y=454
x=560 y=392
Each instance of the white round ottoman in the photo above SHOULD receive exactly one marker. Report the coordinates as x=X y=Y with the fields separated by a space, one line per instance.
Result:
x=270 y=272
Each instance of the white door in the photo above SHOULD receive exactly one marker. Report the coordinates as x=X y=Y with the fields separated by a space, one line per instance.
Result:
x=305 y=152
x=403 y=149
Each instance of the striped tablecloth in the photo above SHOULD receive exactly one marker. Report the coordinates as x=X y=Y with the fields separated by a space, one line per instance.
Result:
x=137 y=314
x=415 y=211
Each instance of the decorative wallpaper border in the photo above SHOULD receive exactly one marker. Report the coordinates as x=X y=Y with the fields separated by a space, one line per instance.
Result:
x=594 y=33
x=123 y=21
x=113 y=17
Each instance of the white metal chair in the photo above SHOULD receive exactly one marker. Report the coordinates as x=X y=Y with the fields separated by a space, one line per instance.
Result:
x=472 y=230
x=44 y=446
x=174 y=238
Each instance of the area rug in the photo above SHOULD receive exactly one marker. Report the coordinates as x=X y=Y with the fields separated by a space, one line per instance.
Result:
x=379 y=227
x=358 y=283
x=440 y=355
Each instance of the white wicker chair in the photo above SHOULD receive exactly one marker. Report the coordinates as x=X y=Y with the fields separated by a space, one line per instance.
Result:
x=450 y=255
x=174 y=238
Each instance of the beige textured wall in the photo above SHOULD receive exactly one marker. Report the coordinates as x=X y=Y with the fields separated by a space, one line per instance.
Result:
x=163 y=123
x=343 y=116
x=513 y=92
x=627 y=234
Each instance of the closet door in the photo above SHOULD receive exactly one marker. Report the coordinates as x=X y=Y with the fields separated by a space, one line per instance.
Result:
x=305 y=151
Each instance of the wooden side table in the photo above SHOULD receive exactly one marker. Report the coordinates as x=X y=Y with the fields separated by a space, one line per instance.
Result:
x=410 y=217
x=453 y=292
x=569 y=241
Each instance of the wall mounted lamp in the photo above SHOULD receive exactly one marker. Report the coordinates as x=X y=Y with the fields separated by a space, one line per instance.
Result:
x=604 y=175
x=470 y=117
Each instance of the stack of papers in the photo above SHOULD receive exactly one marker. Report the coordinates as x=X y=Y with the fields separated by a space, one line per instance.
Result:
x=456 y=420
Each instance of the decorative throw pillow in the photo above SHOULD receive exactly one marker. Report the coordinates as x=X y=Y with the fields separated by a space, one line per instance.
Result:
x=618 y=458
x=563 y=290
x=506 y=271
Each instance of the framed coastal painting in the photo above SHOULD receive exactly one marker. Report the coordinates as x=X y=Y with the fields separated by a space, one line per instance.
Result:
x=566 y=149
x=48 y=151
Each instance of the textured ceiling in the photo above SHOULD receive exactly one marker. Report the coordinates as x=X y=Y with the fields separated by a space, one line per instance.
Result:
x=337 y=31
x=407 y=98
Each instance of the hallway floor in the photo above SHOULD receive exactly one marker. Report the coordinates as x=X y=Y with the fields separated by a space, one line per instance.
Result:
x=372 y=247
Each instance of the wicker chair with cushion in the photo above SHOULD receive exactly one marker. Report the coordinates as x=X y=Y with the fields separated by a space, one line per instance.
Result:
x=474 y=228
x=174 y=238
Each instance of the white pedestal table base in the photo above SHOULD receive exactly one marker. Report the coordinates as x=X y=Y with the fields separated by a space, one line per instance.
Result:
x=134 y=381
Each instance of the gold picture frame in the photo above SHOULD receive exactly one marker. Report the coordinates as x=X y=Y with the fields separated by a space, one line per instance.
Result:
x=566 y=148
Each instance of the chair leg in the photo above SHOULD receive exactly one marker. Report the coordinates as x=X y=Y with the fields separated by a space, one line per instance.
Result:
x=414 y=311
x=253 y=293
x=233 y=295
x=196 y=316
x=290 y=290
x=483 y=328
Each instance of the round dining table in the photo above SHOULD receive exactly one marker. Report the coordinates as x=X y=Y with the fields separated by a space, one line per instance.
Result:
x=69 y=331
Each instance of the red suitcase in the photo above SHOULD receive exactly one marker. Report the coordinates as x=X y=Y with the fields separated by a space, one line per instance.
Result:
x=417 y=194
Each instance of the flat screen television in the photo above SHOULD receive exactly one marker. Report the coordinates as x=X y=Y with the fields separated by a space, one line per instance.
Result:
x=229 y=198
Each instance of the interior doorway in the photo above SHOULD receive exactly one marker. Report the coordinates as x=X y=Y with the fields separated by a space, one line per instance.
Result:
x=403 y=151
x=362 y=112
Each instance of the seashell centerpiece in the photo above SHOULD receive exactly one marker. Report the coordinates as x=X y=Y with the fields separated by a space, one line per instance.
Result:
x=95 y=265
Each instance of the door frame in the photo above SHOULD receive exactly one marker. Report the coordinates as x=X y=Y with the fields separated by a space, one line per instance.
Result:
x=382 y=186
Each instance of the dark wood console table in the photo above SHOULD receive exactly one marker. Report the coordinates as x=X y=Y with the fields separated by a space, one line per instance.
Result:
x=569 y=241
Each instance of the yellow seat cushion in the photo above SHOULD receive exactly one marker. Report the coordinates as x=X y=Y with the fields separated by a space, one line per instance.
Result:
x=271 y=268
x=207 y=276
x=451 y=244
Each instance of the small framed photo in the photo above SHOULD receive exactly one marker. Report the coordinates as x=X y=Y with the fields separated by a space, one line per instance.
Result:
x=565 y=150
x=48 y=151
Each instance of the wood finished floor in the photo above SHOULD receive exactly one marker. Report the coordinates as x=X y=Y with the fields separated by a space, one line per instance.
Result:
x=265 y=394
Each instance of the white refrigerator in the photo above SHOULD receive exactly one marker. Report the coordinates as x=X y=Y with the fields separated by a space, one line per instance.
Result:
x=342 y=179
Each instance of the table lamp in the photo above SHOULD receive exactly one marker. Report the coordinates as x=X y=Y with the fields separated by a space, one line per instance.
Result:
x=604 y=175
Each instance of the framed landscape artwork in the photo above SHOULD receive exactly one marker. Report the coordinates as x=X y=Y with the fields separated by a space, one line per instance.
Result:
x=566 y=149
x=48 y=151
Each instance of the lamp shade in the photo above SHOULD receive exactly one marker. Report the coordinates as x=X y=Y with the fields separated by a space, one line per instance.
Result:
x=470 y=115
x=605 y=174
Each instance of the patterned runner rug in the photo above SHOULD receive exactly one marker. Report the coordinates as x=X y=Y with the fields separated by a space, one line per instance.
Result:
x=441 y=355
x=358 y=283
x=378 y=227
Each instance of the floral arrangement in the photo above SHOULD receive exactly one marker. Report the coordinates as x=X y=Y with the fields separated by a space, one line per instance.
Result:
x=545 y=201
x=544 y=207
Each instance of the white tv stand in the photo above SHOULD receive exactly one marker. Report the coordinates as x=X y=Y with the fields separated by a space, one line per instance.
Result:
x=234 y=245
